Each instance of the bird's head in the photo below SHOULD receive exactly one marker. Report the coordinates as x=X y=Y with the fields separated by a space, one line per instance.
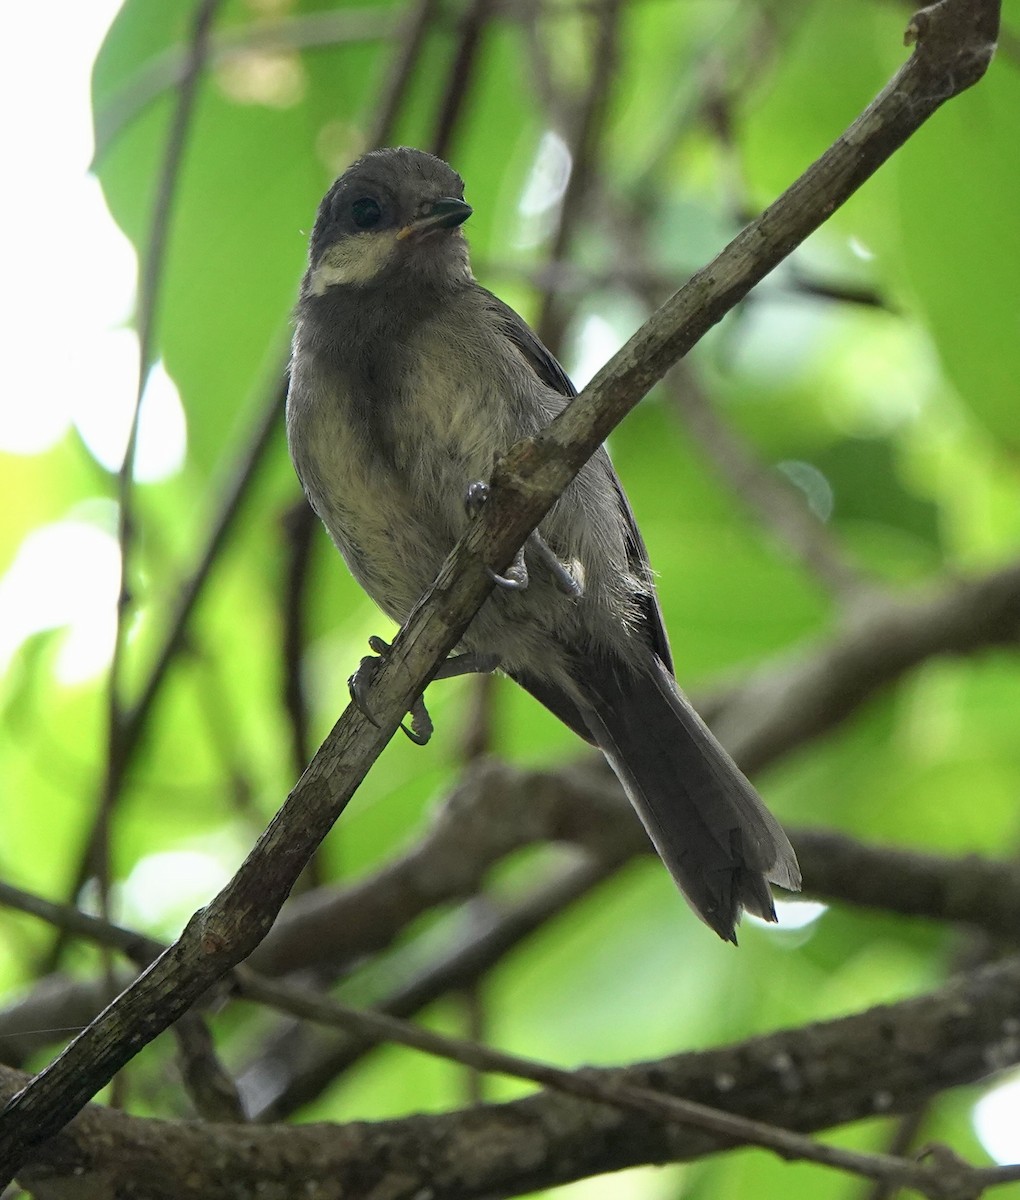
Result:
x=391 y=217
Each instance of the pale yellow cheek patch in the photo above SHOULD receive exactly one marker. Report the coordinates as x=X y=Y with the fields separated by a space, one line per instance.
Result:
x=356 y=260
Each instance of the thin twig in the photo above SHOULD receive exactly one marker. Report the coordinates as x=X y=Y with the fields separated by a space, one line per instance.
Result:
x=585 y=143
x=460 y=75
x=134 y=720
x=415 y=25
x=299 y=1071
x=148 y=300
x=299 y=525
x=205 y=1078
x=98 y=858
x=931 y=1180
x=300 y=522
x=772 y=501
x=167 y=71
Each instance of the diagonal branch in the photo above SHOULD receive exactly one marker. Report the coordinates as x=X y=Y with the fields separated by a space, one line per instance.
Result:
x=956 y=39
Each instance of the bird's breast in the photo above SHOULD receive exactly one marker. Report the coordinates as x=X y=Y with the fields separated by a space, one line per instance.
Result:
x=386 y=445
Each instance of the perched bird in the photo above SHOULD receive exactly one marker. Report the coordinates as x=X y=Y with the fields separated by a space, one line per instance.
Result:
x=408 y=381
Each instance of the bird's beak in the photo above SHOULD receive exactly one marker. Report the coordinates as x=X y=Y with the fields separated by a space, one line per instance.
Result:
x=445 y=213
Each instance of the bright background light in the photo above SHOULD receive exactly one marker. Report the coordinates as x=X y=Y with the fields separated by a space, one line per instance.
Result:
x=67 y=294
x=997 y=1121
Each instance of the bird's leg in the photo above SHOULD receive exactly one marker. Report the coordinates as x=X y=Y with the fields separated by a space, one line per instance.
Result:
x=467 y=664
x=516 y=577
x=565 y=580
x=421 y=729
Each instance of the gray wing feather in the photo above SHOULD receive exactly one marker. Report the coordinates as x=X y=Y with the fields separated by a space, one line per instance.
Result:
x=552 y=375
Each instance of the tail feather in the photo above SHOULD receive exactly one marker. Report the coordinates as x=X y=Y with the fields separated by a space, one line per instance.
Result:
x=708 y=824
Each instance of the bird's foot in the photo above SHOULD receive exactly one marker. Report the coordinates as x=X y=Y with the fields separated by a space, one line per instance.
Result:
x=475 y=497
x=516 y=577
x=564 y=579
x=360 y=684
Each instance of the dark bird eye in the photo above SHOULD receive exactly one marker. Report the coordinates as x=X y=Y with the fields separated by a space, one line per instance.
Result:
x=366 y=212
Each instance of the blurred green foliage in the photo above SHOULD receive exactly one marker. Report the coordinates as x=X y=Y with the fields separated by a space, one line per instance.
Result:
x=905 y=409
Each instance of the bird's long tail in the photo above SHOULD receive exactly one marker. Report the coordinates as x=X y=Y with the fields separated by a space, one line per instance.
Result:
x=711 y=829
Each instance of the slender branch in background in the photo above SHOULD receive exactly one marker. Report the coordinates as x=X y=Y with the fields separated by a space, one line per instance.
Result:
x=241 y=479
x=956 y=39
x=474 y=1016
x=585 y=142
x=772 y=500
x=98 y=859
x=772 y=711
x=135 y=719
x=206 y=1080
x=311 y=31
x=415 y=24
x=574 y=279
x=859 y=294
x=148 y=300
x=769 y=498
x=166 y=72
x=460 y=76
x=612 y=1088
x=533 y=30
x=418 y=20
x=477 y=738
x=715 y=103
x=238 y=789
x=138 y=947
x=734 y=65
x=303 y=1062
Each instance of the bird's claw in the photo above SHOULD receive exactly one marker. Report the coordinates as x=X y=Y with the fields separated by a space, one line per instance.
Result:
x=475 y=497
x=516 y=578
x=360 y=683
x=421 y=723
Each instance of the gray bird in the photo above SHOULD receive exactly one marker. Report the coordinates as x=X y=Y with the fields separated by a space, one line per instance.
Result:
x=408 y=381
